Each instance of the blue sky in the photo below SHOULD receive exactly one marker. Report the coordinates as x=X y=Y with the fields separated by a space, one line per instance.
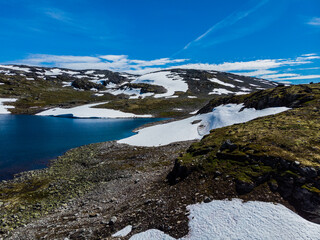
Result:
x=275 y=39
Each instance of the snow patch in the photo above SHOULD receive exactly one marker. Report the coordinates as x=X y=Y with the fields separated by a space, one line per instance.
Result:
x=241 y=93
x=245 y=89
x=66 y=84
x=172 y=82
x=15 y=68
x=191 y=128
x=224 y=219
x=123 y=232
x=220 y=91
x=237 y=80
x=3 y=107
x=53 y=72
x=215 y=80
x=87 y=111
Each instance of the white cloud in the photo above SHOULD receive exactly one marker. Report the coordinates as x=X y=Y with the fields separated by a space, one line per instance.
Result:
x=309 y=54
x=35 y=59
x=120 y=63
x=114 y=57
x=302 y=77
x=278 y=76
x=157 y=62
x=257 y=73
x=264 y=64
x=271 y=69
x=315 y=21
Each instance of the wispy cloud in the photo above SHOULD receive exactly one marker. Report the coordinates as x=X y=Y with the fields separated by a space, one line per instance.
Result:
x=273 y=69
x=67 y=19
x=229 y=21
x=315 y=21
x=259 y=66
x=57 y=14
x=302 y=77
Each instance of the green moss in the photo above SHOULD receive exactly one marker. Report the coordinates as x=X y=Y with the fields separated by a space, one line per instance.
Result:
x=311 y=188
x=159 y=107
x=293 y=135
x=290 y=173
x=34 y=96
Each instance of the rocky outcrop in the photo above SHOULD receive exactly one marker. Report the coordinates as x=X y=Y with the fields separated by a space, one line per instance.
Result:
x=86 y=85
x=145 y=88
x=281 y=96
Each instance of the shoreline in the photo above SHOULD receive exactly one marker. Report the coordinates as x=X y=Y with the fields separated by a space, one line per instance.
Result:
x=49 y=159
x=74 y=175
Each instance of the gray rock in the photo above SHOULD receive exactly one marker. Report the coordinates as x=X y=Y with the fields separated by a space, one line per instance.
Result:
x=244 y=187
x=113 y=220
x=228 y=145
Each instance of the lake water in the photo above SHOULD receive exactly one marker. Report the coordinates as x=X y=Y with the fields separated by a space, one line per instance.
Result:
x=28 y=142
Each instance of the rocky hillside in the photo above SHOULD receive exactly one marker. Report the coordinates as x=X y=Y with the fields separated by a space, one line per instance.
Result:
x=174 y=92
x=278 y=153
x=93 y=191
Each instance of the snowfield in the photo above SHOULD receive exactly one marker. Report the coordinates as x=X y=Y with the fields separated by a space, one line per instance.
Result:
x=3 y=107
x=196 y=127
x=223 y=219
x=169 y=80
x=87 y=111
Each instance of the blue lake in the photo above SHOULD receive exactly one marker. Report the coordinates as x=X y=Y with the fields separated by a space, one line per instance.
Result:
x=28 y=142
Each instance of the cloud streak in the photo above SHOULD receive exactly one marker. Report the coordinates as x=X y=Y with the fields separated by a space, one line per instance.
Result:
x=228 y=21
x=315 y=21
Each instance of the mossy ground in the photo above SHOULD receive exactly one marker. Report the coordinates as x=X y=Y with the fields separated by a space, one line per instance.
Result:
x=33 y=96
x=159 y=107
x=38 y=192
x=37 y=95
x=77 y=172
x=292 y=136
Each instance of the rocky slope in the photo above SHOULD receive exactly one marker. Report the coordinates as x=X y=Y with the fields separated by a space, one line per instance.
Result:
x=174 y=92
x=93 y=191
x=279 y=152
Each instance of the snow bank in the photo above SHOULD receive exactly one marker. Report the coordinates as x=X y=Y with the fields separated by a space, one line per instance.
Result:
x=220 y=91
x=87 y=111
x=53 y=72
x=123 y=232
x=15 y=68
x=4 y=108
x=197 y=126
x=223 y=219
x=215 y=80
x=169 y=80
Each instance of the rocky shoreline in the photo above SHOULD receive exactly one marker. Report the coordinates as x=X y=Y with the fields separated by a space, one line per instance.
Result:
x=99 y=180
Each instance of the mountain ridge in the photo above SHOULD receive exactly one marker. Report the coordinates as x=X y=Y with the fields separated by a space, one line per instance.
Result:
x=40 y=88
